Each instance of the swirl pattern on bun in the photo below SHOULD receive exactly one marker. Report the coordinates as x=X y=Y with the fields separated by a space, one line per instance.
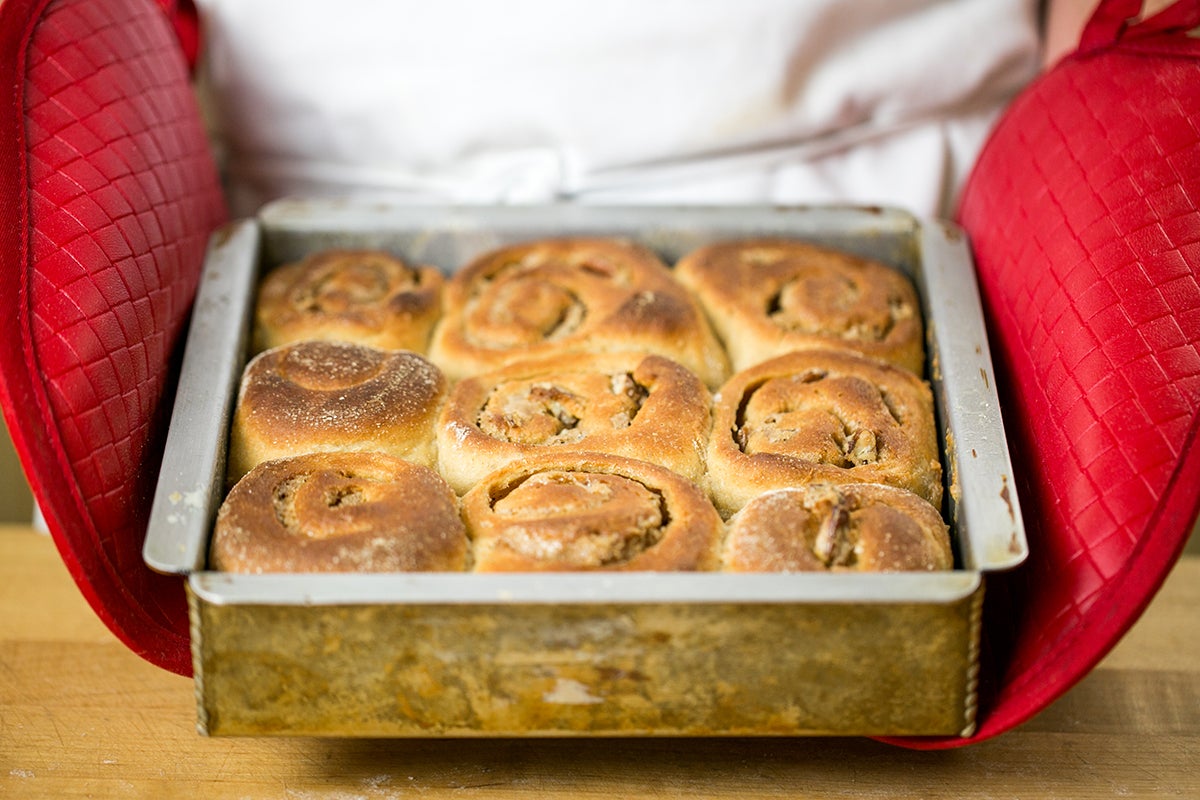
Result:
x=339 y=512
x=316 y=396
x=571 y=295
x=822 y=417
x=863 y=527
x=590 y=511
x=769 y=296
x=639 y=406
x=364 y=296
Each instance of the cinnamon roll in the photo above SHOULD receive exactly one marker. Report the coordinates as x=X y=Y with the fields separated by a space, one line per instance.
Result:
x=363 y=296
x=571 y=296
x=627 y=404
x=822 y=416
x=864 y=527
x=769 y=296
x=318 y=396
x=339 y=512
x=589 y=511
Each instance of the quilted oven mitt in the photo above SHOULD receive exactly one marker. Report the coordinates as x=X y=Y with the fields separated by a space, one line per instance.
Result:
x=109 y=193
x=1084 y=215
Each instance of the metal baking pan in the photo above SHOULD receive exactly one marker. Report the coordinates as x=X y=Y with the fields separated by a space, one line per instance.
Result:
x=586 y=654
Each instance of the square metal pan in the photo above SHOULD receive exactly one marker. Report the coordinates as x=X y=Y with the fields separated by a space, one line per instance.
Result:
x=584 y=653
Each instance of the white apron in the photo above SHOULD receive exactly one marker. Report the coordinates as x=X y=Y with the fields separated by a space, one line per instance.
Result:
x=705 y=101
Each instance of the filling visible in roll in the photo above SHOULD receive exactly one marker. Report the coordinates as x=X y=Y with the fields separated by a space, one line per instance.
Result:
x=822 y=416
x=561 y=412
x=821 y=527
x=586 y=519
x=816 y=417
x=629 y=404
x=572 y=511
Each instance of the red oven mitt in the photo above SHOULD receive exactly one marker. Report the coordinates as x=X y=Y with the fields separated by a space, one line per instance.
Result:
x=108 y=193
x=1084 y=215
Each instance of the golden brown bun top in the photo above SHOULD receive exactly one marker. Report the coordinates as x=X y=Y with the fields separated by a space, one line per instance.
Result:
x=571 y=295
x=823 y=416
x=642 y=406
x=339 y=512
x=571 y=399
x=847 y=528
x=317 y=396
x=339 y=390
x=365 y=296
x=770 y=295
x=589 y=511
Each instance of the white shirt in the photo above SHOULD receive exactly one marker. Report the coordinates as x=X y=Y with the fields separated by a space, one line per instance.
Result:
x=706 y=101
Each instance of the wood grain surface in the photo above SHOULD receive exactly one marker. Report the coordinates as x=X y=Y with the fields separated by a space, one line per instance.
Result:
x=81 y=716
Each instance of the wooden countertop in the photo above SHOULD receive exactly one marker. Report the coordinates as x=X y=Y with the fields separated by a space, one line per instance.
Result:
x=81 y=716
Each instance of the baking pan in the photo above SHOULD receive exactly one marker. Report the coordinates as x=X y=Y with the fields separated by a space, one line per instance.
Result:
x=586 y=653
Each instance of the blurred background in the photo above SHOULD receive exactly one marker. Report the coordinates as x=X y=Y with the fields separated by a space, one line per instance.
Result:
x=16 y=504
